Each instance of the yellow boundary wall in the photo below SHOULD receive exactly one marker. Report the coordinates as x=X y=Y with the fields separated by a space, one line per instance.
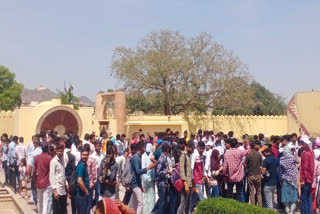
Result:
x=240 y=124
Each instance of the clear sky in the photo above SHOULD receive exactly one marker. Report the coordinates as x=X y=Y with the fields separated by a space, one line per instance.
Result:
x=47 y=42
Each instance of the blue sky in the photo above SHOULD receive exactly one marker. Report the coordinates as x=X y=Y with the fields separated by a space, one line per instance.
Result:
x=48 y=42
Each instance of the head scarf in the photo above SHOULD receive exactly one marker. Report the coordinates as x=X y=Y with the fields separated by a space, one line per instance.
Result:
x=215 y=163
x=287 y=150
x=149 y=147
x=110 y=207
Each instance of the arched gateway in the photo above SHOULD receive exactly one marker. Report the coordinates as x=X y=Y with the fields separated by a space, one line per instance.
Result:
x=61 y=119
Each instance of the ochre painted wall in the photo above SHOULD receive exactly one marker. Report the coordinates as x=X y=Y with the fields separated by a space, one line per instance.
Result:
x=268 y=125
x=308 y=108
x=23 y=121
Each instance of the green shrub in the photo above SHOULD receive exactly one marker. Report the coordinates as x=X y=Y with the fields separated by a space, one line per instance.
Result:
x=228 y=206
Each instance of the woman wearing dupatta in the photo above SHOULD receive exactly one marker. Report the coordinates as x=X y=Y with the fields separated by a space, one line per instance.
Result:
x=288 y=176
x=148 y=181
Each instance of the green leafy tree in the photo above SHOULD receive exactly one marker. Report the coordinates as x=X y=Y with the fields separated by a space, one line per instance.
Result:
x=185 y=75
x=67 y=97
x=266 y=102
x=10 y=90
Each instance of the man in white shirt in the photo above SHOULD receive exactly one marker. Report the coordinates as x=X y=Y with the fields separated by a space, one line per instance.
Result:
x=207 y=171
x=57 y=180
x=30 y=148
x=77 y=152
x=91 y=139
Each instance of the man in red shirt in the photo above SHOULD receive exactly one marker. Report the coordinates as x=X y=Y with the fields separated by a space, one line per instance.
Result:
x=275 y=146
x=306 y=174
x=41 y=178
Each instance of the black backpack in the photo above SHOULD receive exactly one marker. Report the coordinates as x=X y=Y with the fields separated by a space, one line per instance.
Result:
x=71 y=174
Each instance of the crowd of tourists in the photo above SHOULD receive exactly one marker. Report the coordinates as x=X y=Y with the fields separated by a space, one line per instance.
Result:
x=163 y=173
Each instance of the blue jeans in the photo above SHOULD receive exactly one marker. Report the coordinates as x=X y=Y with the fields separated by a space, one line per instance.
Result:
x=34 y=192
x=238 y=190
x=173 y=200
x=195 y=195
x=306 y=199
x=243 y=190
x=98 y=188
x=82 y=204
x=208 y=189
x=215 y=191
x=161 y=203
x=90 y=200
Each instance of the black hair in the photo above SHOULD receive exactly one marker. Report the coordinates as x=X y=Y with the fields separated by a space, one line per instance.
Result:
x=230 y=134
x=21 y=139
x=84 y=150
x=261 y=136
x=166 y=147
x=140 y=145
x=168 y=129
x=91 y=136
x=294 y=135
x=118 y=137
x=267 y=150
x=59 y=146
x=100 y=207
x=15 y=138
x=199 y=132
x=5 y=135
x=133 y=147
x=126 y=150
x=86 y=147
x=109 y=143
x=228 y=141
x=255 y=137
x=45 y=149
x=77 y=142
x=276 y=138
x=123 y=135
x=201 y=144
x=24 y=161
x=182 y=141
x=56 y=139
x=102 y=133
x=43 y=134
x=69 y=144
x=87 y=136
x=110 y=149
x=234 y=143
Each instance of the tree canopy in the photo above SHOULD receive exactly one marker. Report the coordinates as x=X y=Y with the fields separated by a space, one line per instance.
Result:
x=67 y=97
x=169 y=74
x=10 y=90
x=266 y=102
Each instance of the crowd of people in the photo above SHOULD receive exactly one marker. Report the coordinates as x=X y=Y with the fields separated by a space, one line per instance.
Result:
x=163 y=173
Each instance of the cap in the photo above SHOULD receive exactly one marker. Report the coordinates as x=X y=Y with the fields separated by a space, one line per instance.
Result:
x=209 y=143
x=263 y=148
x=159 y=141
x=305 y=139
